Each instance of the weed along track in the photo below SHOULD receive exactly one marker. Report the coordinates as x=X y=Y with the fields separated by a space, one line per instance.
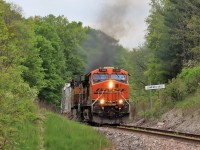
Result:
x=132 y=137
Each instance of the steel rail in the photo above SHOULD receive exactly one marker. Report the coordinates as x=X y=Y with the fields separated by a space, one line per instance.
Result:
x=159 y=132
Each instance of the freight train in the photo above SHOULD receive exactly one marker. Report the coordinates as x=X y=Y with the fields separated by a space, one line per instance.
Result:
x=101 y=96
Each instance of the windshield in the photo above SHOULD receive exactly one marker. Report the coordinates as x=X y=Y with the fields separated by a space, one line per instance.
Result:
x=119 y=77
x=100 y=77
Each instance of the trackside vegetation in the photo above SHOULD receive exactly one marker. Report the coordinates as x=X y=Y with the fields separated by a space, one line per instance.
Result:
x=29 y=134
x=61 y=133
x=171 y=56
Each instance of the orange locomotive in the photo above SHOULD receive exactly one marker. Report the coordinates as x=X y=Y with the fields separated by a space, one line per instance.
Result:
x=102 y=97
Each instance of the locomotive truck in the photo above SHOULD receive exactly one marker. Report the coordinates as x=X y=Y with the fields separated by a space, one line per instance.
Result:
x=101 y=96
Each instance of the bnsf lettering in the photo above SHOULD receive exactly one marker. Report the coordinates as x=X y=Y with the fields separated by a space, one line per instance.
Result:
x=100 y=90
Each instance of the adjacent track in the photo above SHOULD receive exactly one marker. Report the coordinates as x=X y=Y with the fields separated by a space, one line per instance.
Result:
x=158 y=132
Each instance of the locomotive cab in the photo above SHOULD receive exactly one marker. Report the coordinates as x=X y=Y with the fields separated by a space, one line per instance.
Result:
x=110 y=95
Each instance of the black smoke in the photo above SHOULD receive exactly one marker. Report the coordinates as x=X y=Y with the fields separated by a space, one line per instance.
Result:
x=101 y=50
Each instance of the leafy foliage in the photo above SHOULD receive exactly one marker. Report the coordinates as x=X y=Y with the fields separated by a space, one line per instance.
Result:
x=16 y=106
x=56 y=40
x=172 y=28
x=16 y=96
x=173 y=50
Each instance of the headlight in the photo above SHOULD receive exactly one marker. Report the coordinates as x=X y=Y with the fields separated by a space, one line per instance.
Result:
x=110 y=85
x=121 y=101
x=102 y=101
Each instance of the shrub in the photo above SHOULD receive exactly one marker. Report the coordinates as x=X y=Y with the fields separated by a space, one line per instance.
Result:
x=182 y=88
x=16 y=106
x=191 y=77
x=176 y=90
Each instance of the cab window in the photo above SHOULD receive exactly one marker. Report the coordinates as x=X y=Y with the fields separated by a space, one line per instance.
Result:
x=119 y=77
x=99 y=77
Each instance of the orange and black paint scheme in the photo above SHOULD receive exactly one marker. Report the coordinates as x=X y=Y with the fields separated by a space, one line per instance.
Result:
x=102 y=96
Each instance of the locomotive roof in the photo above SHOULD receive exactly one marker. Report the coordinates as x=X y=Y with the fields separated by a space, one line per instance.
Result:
x=109 y=68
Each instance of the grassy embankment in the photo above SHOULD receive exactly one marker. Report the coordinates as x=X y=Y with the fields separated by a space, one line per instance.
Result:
x=191 y=102
x=61 y=133
x=58 y=133
x=29 y=136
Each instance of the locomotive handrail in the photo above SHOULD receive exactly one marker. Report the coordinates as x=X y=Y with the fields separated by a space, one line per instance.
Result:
x=123 y=97
x=96 y=99
x=125 y=100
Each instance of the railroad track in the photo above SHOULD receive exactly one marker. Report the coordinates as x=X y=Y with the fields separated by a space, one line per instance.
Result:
x=158 y=132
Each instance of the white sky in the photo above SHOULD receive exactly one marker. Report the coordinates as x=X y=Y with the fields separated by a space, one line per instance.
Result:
x=87 y=11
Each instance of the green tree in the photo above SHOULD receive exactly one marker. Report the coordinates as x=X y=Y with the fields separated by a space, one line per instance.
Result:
x=172 y=37
x=52 y=56
x=58 y=43
x=163 y=59
x=16 y=96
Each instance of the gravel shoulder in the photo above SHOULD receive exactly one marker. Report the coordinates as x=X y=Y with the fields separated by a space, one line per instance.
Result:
x=177 y=120
x=124 y=140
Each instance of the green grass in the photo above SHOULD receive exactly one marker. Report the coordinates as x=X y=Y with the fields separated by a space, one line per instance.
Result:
x=61 y=133
x=27 y=136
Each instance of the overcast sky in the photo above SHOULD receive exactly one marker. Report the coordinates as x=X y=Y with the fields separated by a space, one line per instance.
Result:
x=122 y=19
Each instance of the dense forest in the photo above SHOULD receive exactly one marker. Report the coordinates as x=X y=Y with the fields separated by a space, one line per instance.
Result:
x=38 y=55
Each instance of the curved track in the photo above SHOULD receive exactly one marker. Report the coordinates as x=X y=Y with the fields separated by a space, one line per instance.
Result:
x=158 y=132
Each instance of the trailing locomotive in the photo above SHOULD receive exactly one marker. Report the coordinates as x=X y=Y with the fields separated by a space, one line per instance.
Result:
x=101 y=97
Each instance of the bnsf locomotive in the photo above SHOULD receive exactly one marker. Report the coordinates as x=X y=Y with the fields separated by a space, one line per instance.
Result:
x=101 y=97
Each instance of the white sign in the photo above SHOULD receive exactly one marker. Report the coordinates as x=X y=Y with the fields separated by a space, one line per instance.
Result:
x=153 y=87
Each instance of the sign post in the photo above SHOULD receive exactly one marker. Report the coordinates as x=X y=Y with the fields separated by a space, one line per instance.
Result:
x=154 y=87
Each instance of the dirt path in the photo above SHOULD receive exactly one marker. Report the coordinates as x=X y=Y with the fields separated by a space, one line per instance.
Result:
x=41 y=117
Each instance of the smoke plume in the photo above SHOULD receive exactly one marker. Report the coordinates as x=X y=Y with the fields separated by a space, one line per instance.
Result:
x=103 y=50
x=114 y=18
